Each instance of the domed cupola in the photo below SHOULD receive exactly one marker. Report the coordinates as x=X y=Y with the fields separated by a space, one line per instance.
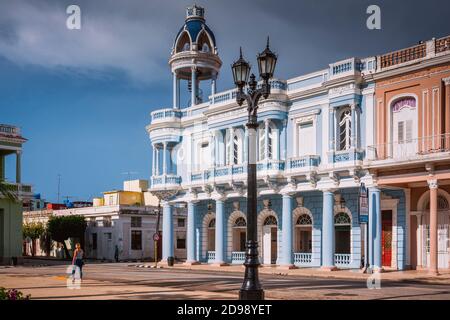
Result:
x=194 y=55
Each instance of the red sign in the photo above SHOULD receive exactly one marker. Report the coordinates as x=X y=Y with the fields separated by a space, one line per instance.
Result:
x=156 y=237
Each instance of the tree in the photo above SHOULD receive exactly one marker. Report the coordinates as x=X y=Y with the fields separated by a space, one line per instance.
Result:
x=65 y=227
x=33 y=230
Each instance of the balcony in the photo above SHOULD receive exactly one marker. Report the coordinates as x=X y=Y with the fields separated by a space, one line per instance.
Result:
x=344 y=68
x=237 y=172
x=303 y=164
x=165 y=182
x=165 y=115
x=22 y=190
x=9 y=130
x=426 y=148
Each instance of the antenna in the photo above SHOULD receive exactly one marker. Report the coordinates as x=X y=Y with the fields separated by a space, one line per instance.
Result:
x=59 y=185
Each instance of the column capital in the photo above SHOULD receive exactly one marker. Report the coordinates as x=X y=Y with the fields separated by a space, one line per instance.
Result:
x=446 y=81
x=433 y=184
x=329 y=190
x=194 y=68
x=266 y=122
x=19 y=152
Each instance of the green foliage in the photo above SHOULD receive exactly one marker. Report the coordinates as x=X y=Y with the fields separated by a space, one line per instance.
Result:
x=65 y=227
x=12 y=294
x=33 y=230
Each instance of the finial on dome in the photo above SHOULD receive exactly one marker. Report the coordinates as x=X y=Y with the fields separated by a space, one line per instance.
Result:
x=195 y=12
x=267 y=42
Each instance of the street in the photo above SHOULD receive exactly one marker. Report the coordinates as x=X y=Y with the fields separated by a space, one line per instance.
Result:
x=125 y=281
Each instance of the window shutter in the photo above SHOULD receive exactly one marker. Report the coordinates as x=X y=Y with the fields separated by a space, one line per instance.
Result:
x=409 y=125
x=401 y=131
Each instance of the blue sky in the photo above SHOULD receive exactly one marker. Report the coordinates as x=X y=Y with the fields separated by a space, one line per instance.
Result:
x=83 y=98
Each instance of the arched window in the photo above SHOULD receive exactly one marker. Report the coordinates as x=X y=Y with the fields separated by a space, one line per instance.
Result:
x=442 y=203
x=304 y=220
x=212 y=224
x=345 y=129
x=270 y=221
x=342 y=218
x=203 y=42
x=240 y=222
x=183 y=43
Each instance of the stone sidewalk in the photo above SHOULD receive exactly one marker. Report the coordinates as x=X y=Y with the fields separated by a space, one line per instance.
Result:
x=389 y=275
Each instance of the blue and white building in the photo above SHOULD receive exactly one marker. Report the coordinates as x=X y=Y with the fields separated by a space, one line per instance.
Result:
x=312 y=142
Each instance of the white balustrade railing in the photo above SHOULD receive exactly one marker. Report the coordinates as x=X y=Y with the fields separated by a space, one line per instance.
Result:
x=238 y=256
x=211 y=256
x=412 y=149
x=342 y=259
x=301 y=258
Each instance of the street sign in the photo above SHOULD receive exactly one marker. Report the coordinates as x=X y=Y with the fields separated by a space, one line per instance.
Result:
x=363 y=205
x=156 y=237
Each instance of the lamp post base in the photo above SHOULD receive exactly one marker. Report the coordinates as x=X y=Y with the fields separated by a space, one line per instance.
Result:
x=257 y=294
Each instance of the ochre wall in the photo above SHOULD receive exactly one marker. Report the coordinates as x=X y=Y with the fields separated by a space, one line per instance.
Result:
x=428 y=86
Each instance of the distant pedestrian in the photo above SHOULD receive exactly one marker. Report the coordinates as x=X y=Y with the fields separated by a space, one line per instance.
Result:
x=116 y=253
x=77 y=261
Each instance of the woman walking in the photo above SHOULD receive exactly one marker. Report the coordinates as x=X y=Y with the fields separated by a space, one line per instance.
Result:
x=77 y=261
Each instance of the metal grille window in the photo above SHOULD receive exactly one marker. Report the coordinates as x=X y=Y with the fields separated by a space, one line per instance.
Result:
x=270 y=220
x=240 y=222
x=136 y=222
x=136 y=240
x=342 y=218
x=304 y=220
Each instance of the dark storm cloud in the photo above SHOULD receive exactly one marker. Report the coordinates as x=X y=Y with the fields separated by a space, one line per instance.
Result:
x=136 y=36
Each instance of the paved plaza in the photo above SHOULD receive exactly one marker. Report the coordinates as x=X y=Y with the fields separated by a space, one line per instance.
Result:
x=137 y=281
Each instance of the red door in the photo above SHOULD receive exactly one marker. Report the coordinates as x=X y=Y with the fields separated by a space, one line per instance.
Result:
x=386 y=238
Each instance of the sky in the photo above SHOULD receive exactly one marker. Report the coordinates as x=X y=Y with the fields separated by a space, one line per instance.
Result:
x=83 y=97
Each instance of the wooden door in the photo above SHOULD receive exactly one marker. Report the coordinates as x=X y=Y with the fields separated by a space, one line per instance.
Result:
x=386 y=238
x=273 y=247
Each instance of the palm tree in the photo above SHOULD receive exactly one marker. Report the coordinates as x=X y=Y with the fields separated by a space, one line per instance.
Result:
x=6 y=192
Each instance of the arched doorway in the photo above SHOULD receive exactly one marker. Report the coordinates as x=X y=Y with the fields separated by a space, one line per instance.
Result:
x=270 y=240
x=239 y=238
x=443 y=205
x=209 y=237
x=303 y=234
x=342 y=245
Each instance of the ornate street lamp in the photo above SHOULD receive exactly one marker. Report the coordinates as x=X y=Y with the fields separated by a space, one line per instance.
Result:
x=251 y=288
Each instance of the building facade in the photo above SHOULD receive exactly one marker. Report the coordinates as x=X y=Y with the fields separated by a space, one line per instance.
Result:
x=123 y=221
x=11 y=142
x=317 y=139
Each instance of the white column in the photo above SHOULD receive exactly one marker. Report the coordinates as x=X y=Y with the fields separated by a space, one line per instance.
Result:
x=231 y=149
x=153 y=160
x=212 y=148
x=331 y=129
x=164 y=158
x=194 y=86
x=156 y=161
x=176 y=85
x=19 y=166
x=353 y=127
x=266 y=139
x=213 y=87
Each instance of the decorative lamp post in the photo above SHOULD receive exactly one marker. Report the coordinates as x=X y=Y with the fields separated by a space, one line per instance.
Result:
x=251 y=288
